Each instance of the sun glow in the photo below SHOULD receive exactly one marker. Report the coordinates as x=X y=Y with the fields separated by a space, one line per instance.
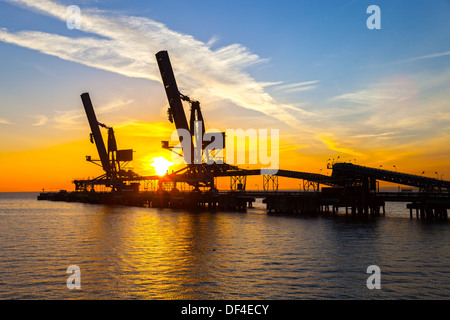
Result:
x=161 y=165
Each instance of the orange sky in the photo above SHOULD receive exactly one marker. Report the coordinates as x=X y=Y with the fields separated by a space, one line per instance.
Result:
x=53 y=168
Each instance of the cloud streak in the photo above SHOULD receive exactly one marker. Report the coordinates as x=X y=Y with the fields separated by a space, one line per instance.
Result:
x=425 y=57
x=126 y=45
x=4 y=121
x=332 y=143
x=298 y=87
x=299 y=84
x=68 y=119
x=41 y=120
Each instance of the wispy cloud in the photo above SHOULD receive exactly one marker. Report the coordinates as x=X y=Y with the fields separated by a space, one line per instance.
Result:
x=299 y=84
x=270 y=84
x=394 y=111
x=70 y=119
x=127 y=46
x=297 y=87
x=333 y=143
x=390 y=103
x=381 y=95
x=41 y=120
x=67 y=119
x=4 y=121
x=425 y=57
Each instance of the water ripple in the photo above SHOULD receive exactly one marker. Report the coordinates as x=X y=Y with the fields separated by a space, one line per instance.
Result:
x=136 y=253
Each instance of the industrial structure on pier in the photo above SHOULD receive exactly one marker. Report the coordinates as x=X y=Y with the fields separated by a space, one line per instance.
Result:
x=350 y=186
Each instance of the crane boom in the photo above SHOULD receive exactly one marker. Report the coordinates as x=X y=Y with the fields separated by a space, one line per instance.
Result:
x=95 y=129
x=174 y=97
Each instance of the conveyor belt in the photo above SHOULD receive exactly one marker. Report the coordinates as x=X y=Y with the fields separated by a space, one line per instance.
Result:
x=349 y=170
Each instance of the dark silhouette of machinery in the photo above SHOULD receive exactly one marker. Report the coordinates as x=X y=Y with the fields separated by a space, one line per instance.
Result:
x=112 y=160
x=350 y=186
x=196 y=173
x=200 y=174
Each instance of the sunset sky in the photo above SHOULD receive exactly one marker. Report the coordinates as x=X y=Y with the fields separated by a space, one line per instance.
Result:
x=311 y=69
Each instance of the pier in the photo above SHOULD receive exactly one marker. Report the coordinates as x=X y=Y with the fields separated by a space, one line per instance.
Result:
x=426 y=206
x=188 y=200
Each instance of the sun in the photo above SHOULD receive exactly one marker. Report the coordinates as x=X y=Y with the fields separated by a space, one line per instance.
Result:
x=161 y=165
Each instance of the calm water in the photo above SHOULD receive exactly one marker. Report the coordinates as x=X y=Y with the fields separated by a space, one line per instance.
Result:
x=140 y=253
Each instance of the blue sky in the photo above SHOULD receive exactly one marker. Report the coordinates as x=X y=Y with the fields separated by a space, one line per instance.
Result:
x=312 y=68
